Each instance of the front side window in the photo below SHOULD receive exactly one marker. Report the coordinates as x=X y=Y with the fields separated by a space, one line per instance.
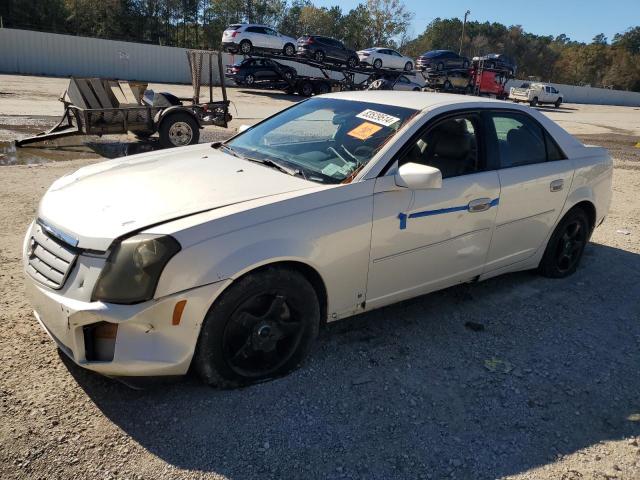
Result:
x=326 y=140
x=520 y=140
x=451 y=146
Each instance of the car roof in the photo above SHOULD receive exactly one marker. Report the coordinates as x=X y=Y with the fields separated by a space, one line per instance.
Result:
x=417 y=100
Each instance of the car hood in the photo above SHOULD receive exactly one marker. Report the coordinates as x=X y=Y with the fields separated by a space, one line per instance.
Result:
x=102 y=202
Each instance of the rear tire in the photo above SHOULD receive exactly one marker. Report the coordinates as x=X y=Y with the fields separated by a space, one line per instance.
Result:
x=558 y=103
x=377 y=64
x=534 y=102
x=440 y=66
x=408 y=67
x=352 y=62
x=447 y=86
x=178 y=130
x=262 y=327
x=566 y=245
x=245 y=47
x=289 y=50
x=249 y=79
x=306 y=89
x=319 y=56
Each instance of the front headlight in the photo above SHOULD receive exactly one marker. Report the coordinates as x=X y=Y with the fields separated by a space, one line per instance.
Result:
x=133 y=269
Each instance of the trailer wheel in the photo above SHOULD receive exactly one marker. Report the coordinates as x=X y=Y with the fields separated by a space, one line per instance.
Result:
x=322 y=88
x=377 y=64
x=245 y=47
x=178 y=129
x=306 y=89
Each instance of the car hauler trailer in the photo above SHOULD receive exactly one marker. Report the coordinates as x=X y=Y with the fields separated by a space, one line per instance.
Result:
x=307 y=85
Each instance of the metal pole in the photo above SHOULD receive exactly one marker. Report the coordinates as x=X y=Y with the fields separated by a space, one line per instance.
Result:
x=464 y=23
x=210 y=77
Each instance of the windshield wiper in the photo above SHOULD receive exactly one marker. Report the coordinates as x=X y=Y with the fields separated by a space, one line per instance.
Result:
x=225 y=147
x=277 y=165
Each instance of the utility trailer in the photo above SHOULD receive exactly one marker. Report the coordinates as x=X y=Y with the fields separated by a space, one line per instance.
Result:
x=95 y=106
x=307 y=85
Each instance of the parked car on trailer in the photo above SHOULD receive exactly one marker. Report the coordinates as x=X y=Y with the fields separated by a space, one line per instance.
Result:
x=229 y=256
x=385 y=58
x=252 y=71
x=326 y=49
x=536 y=93
x=441 y=60
x=497 y=61
x=450 y=80
x=247 y=38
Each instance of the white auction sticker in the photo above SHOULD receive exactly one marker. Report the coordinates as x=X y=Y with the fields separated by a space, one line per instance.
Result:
x=378 y=117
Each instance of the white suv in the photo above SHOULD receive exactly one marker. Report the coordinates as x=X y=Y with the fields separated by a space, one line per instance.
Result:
x=246 y=37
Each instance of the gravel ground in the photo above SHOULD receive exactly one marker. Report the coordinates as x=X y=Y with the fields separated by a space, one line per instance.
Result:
x=516 y=377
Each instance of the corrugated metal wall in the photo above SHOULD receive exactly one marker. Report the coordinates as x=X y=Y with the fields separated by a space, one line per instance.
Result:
x=37 y=53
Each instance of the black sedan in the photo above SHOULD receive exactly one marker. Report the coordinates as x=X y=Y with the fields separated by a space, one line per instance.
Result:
x=254 y=71
x=441 y=60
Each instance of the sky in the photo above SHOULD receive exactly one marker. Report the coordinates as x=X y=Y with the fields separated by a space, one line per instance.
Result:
x=579 y=20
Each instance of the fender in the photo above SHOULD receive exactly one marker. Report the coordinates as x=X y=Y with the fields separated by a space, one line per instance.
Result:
x=162 y=114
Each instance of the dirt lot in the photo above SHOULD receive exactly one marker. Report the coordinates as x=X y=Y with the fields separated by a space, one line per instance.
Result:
x=549 y=389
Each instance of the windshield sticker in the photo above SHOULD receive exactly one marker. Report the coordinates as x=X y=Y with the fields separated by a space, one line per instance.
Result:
x=332 y=169
x=378 y=117
x=364 y=130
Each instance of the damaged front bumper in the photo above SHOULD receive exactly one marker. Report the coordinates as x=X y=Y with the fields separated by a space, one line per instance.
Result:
x=146 y=339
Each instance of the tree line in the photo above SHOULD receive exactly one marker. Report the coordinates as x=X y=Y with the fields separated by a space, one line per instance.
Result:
x=199 y=24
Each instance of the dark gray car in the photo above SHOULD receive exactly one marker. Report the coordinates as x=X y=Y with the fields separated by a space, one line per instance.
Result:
x=326 y=49
x=441 y=60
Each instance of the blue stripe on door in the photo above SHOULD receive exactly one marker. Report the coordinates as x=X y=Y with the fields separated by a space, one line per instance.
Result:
x=403 y=217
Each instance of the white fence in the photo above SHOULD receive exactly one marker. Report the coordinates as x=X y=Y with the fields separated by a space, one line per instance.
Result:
x=37 y=53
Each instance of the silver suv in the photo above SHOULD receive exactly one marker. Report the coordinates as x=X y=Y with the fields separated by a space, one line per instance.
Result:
x=245 y=38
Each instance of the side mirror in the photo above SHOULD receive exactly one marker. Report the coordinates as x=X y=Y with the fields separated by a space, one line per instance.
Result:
x=242 y=128
x=418 y=177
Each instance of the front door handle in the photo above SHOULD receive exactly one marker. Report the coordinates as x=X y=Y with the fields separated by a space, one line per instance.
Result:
x=556 y=185
x=479 y=205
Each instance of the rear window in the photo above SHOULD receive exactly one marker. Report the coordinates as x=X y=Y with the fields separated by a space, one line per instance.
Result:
x=233 y=27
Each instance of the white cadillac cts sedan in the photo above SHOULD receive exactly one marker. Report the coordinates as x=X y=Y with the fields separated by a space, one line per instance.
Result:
x=229 y=256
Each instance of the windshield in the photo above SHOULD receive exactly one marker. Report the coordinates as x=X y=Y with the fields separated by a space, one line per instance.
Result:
x=324 y=140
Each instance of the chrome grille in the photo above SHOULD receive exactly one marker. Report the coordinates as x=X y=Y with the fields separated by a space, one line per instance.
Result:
x=49 y=261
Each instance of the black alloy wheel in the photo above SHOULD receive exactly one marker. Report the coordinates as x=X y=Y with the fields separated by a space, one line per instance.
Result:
x=261 y=327
x=319 y=56
x=566 y=245
x=352 y=62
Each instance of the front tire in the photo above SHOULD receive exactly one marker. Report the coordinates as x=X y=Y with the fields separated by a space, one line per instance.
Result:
x=263 y=326
x=377 y=64
x=534 y=102
x=178 y=130
x=319 y=56
x=352 y=62
x=408 y=67
x=566 y=245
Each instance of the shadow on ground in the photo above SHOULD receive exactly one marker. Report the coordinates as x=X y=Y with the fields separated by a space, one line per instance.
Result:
x=408 y=392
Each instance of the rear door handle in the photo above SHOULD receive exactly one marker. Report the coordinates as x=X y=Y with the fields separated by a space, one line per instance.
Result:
x=479 y=205
x=556 y=185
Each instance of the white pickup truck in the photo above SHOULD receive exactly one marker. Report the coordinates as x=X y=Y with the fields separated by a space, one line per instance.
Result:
x=536 y=93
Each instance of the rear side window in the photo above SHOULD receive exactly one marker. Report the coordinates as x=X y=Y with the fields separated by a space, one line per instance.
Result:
x=522 y=141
